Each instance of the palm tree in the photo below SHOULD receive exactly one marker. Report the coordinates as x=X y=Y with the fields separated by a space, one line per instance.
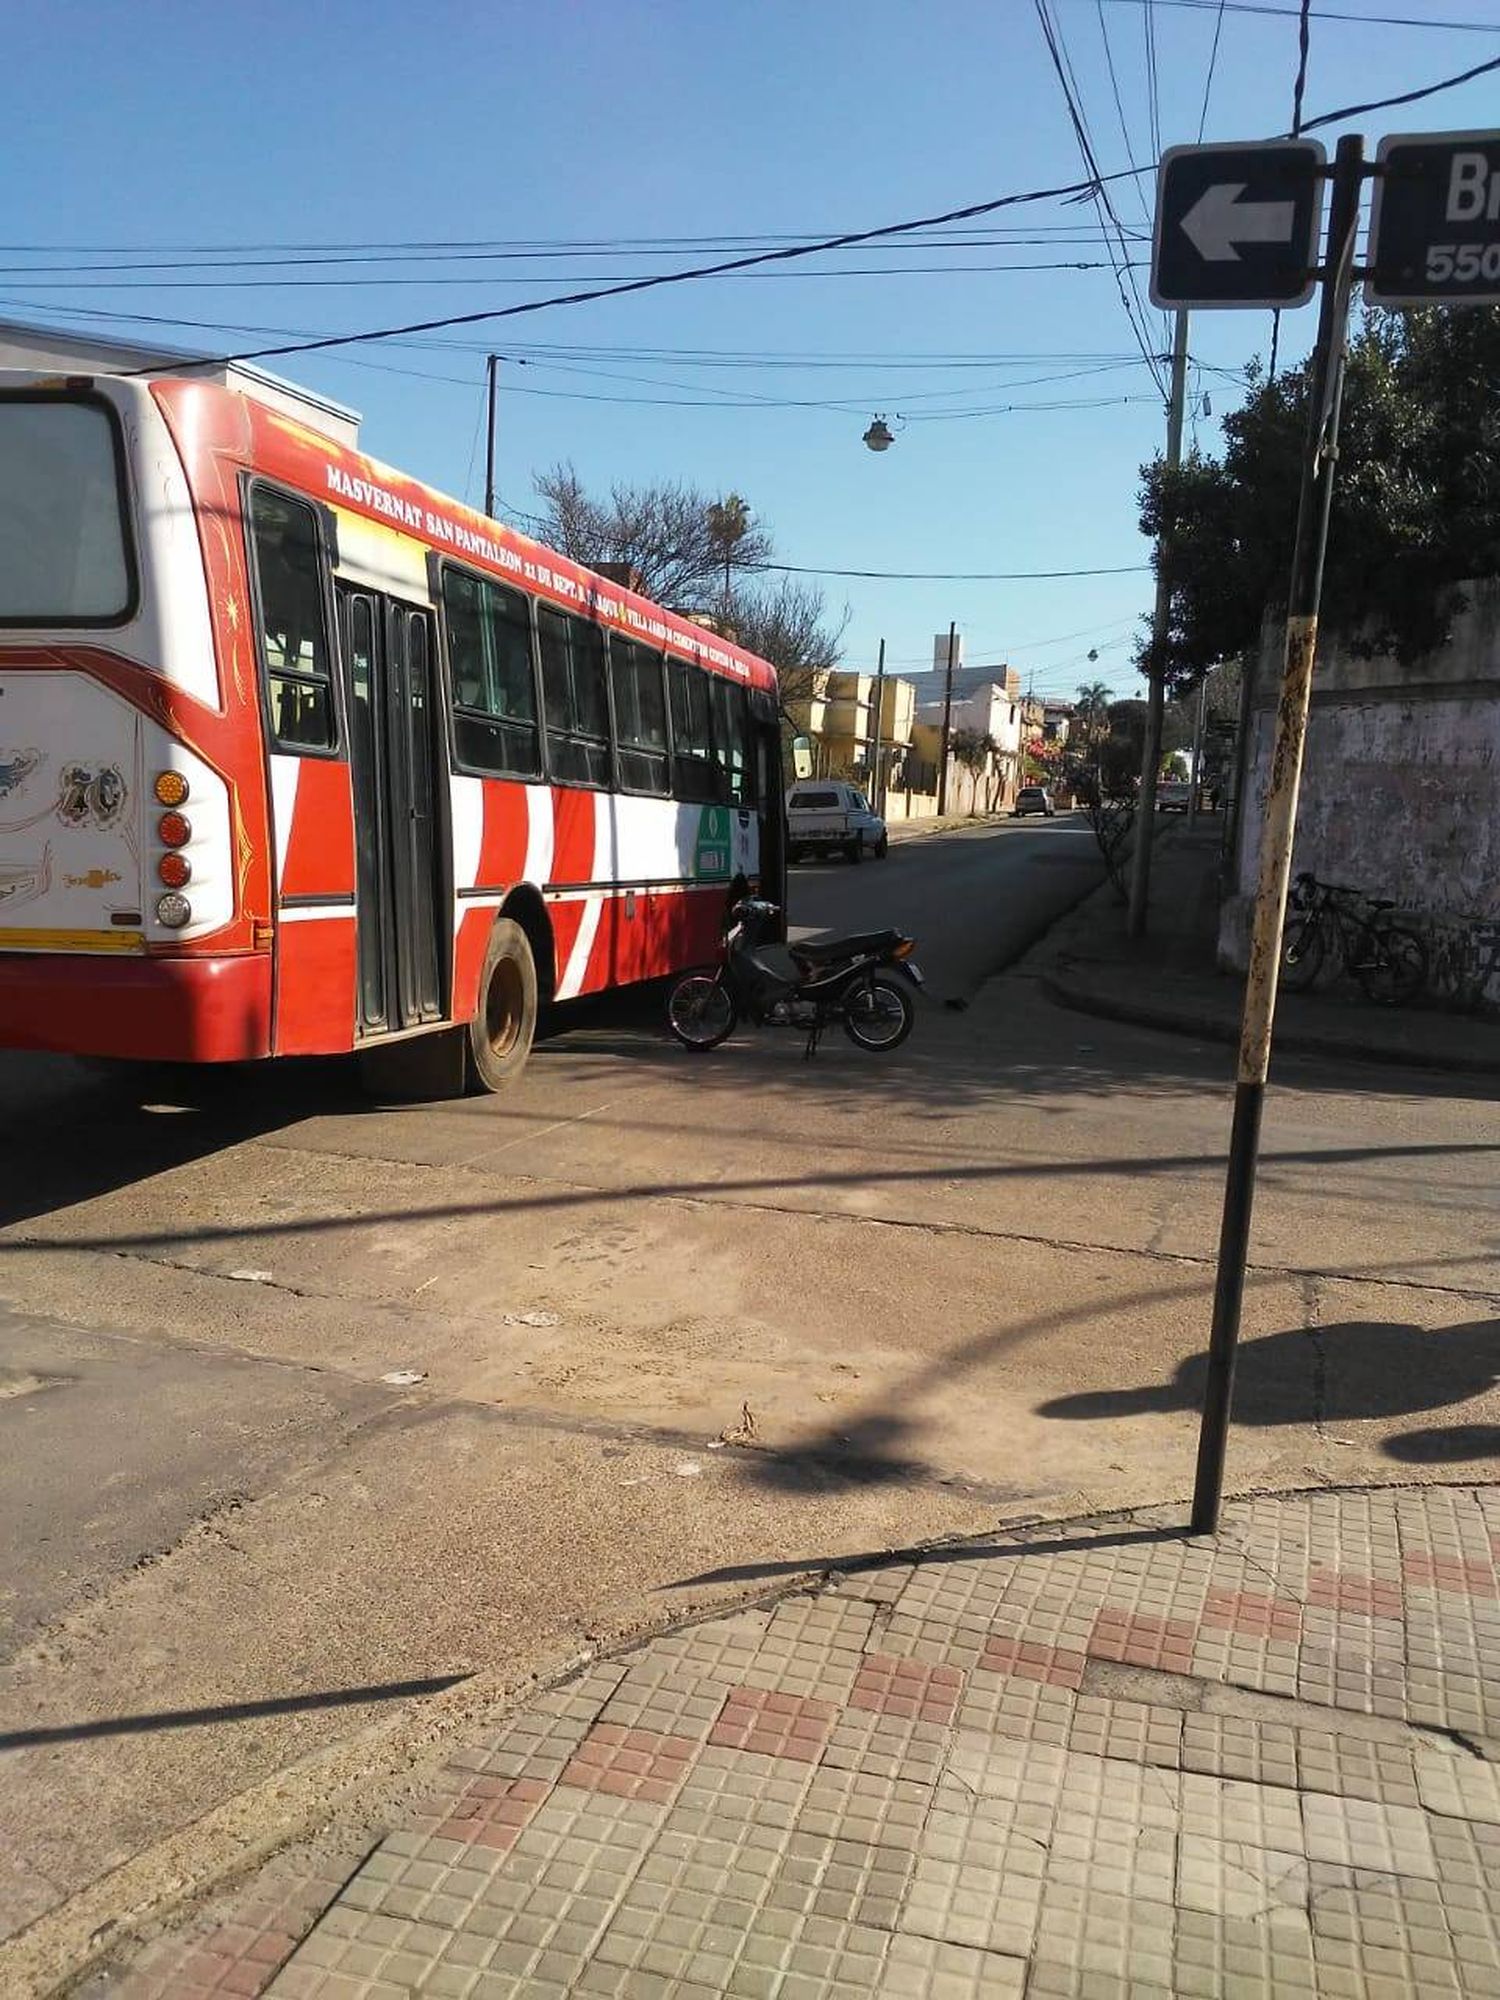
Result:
x=1094 y=698
x=728 y=524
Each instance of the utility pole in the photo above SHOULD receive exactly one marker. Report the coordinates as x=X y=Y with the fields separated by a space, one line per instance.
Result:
x=877 y=798
x=1325 y=391
x=492 y=370
x=1140 y=860
x=1197 y=752
x=947 y=722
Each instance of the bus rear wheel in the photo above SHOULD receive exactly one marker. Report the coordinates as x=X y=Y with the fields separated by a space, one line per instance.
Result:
x=504 y=1023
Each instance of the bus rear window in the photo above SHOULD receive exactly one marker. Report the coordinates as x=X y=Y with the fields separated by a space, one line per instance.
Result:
x=64 y=546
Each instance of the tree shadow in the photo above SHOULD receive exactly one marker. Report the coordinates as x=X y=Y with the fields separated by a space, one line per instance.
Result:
x=1353 y=1370
x=1450 y=1444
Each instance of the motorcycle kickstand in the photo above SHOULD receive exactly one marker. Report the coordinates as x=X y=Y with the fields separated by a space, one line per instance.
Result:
x=813 y=1035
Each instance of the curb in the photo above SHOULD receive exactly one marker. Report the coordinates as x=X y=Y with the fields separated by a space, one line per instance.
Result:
x=1207 y=1027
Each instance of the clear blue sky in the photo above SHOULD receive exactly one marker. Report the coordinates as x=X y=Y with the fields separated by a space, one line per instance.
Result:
x=168 y=125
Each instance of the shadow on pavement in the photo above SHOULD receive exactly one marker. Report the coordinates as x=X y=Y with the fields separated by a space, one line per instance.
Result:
x=1331 y=1374
x=949 y=1552
x=1452 y=1444
x=235 y=1711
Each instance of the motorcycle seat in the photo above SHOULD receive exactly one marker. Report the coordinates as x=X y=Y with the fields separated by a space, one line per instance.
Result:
x=830 y=951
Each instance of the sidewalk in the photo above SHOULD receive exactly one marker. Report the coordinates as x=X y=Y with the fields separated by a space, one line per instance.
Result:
x=1094 y=1758
x=1168 y=979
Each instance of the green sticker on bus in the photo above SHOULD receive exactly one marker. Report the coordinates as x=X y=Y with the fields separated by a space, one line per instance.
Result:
x=711 y=852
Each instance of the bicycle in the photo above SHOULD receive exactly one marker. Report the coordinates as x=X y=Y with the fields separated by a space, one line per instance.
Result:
x=1465 y=958
x=1388 y=961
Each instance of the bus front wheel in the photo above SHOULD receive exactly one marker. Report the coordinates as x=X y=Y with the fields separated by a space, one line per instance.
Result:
x=504 y=1023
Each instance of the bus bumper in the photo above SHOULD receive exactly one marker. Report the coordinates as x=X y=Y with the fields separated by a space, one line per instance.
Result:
x=142 y=1009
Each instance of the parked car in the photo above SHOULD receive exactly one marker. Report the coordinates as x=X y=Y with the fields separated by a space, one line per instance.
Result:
x=1033 y=799
x=1173 y=798
x=828 y=816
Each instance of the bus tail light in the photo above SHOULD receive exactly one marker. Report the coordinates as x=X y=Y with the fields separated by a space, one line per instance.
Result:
x=173 y=910
x=175 y=870
x=171 y=788
x=173 y=829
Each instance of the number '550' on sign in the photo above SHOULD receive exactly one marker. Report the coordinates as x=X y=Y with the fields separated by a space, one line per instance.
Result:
x=1435 y=225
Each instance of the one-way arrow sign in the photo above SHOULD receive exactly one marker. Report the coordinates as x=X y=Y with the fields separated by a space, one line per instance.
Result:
x=1238 y=225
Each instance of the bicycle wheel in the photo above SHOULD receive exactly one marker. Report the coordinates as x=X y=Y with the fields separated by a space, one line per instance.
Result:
x=879 y=1016
x=1302 y=951
x=700 y=1011
x=1396 y=969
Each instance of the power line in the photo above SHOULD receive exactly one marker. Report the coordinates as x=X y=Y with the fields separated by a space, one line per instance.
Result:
x=660 y=279
x=1114 y=84
x=1405 y=97
x=1208 y=81
x=1101 y=199
x=948 y=576
x=1303 y=42
x=1360 y=20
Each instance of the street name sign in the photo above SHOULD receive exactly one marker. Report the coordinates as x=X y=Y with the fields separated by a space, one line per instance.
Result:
x=1435 y=224
x=1238 y=225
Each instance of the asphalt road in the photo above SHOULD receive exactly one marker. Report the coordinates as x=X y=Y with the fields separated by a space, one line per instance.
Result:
x=308 y=1401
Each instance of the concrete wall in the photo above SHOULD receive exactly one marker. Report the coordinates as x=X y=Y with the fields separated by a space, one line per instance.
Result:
x=1400 y=787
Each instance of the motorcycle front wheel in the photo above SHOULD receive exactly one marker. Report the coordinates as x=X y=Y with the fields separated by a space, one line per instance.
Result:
x=700 y=1010
x=879 y=1015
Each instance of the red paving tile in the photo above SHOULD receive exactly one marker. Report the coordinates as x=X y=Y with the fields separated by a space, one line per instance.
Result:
x=1345 y=1590
x=1028 y=1660
x=630 y=1763
x=1252 y=1614
x=890 y=1686
x=493 y=1810
x=1141 y=1641
x=1476 y=1579
x=774 y=1725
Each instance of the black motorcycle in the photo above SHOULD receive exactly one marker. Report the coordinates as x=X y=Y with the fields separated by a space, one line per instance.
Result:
x=859 y=982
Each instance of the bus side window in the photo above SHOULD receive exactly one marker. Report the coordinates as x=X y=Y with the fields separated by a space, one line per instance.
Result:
x=293 y=620
x=488 y=634
x=693 y=775
x=640 y=717
x=577 y=704
x=732 y=760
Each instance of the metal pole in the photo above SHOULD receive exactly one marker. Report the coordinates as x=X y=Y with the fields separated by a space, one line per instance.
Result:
x=1140 y=860
x=1197 y=752
x=492 y=370
x=877 y=799
x=947 y=723
x=1325 y=390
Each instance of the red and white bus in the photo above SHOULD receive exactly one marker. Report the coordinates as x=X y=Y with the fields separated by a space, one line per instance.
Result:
x=298 y=756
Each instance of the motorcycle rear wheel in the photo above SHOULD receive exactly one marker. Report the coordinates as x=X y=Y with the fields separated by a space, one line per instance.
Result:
x=879 y=1016
x=700 y=1010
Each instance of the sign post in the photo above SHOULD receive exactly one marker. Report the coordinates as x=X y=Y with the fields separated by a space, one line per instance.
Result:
x=1237 y=226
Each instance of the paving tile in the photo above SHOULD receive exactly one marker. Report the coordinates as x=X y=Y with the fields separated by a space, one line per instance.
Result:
x=817 y=1958
x=1002 y=1705
x=1252 y=1614
x=1348 y=1590
x=1457 y=1785
x=1217 y=1954
x=1229 y=1746
x=1233 y=1809
x=1027 y=1659
x=774 y=1724
x=923 y=1968
x=1016 y=1772
x=1143 y=1639
x=1356 y=1767
x=977 y=1878
x=1385 y=1928
x=492 y=1811
x=891 y=1746
x=831 y=1875
x=671 y=1704
x=630 y=1763
x=887 y=1684
x=1085 y=1941
x=1136 y=1731
x=1359 y=1833
x=728 y=1785
x=1454 y=1573
x=868 y=1805
x=939 y=1642
x=880 y=1584
x=720 y=1650
x=811 y=1648
x=1235 y=1879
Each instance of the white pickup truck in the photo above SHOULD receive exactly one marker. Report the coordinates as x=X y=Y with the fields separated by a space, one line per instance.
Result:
x=826 y=814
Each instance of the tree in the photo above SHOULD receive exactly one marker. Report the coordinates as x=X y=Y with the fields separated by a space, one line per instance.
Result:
x=1091 y=709
x=688 y=550
x=664 y=533
x=1416 y=508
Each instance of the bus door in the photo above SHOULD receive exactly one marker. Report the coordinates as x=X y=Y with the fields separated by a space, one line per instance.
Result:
x=402 y=905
